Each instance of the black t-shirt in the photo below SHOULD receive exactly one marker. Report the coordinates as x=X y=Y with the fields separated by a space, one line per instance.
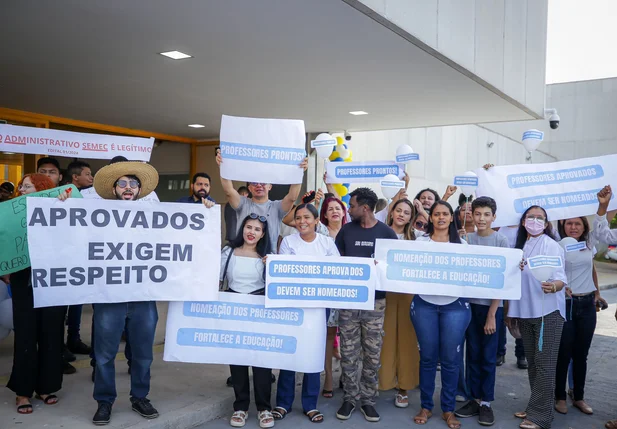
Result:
x=354 y=240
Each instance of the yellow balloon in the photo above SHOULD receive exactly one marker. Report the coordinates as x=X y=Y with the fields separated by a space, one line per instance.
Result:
x=347 y=159
x=334 y=155
x=349 y=156
x=344 y=191
x=340 y=140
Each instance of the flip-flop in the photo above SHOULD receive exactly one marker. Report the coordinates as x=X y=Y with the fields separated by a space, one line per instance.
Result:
x=279 y=413
x=314 y=416
x=24 y=408
x=520 y=415
x=422 y=417
x=327 y=393
x=49 y=399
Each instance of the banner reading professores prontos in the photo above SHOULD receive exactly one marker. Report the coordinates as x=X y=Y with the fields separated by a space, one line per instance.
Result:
x=44 y=141
x=423 y=267
x=564 y=189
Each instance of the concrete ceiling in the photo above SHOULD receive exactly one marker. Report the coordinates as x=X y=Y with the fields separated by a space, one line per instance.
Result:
x=313 y=60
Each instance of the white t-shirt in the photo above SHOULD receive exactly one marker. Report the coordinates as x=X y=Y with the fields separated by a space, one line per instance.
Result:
x=321 y=246
x=534 y=302
x=579 y=270
x=510 y=234
x=244 y=274
x=437 y=299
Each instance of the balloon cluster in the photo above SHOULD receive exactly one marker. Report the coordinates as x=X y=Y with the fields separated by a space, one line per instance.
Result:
x=6 y=311
x=341 y=154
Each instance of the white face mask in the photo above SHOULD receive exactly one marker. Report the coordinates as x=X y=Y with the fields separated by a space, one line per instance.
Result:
x=419 y=232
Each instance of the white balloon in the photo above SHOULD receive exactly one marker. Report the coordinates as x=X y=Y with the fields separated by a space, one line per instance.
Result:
x=343 y=153
x=324 y=152
x=542 y=274
x=574 y=256
x=468 y=190
x=390 y=191
x=532 y=139
x=402 y=150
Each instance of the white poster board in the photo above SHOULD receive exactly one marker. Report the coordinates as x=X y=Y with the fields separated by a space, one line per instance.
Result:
x=48 y=142
x=447 y=269
x=564 y=189
x=362 y=172
x=262 y=150
x=101 y=251
x=238 y=330
x=320 y=282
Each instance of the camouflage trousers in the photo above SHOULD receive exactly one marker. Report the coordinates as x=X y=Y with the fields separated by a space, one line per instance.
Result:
x=361 y=336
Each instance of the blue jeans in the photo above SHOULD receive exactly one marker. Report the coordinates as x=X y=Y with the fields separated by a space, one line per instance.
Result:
x=127 y=345
x=463 y=382
x=73 y=322
x=286 y=390
x=441 y=333
x=482 y=354
x=140 y=319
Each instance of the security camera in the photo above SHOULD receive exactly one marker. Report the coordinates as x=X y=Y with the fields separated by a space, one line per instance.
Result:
x=347 y=136
x=554 y=119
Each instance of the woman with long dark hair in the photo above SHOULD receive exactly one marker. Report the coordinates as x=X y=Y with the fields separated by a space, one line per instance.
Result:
x=399 y=352
x=440 y=323
x=582 y=294
x=540 y=313
x=306 y=242
x=39 y=332
x=243 y=271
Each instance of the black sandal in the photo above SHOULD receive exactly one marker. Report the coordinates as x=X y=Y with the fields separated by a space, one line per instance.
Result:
x=327 y=393
x=24 y=408
x=314 y=416
x=279 y=413
x=49 y=400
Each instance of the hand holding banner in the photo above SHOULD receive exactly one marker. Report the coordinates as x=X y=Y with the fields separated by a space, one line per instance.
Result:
x=238 y=330
x=13 y=237
x=120 y=251
x=422 y=267
x=262 y=150
x=320 y=282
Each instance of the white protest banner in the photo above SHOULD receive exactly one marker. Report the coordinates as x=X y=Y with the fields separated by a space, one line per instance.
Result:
x=262 y=150
x=102 y=251
x=564 y=189
x=320 y=282
x=90 y=193
x=424 y=267
x=44 y=141
x=362 y=172
x=238 y=330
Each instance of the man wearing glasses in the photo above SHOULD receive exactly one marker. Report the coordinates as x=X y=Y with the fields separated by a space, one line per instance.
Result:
x=259 y=203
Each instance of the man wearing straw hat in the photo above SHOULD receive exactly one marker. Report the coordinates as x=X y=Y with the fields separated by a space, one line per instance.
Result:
x=128 y=181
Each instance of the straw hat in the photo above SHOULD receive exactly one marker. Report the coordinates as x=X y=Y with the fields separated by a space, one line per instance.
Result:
x=106 y=177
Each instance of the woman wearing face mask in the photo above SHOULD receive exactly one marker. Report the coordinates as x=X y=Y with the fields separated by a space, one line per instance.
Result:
x=540 y=314
x=583 y=293
x=440 y=323
x=242 y=266
x=399 y=353
x=420 y=224
x=307 y=242
x=39 y=332
x=332 y=218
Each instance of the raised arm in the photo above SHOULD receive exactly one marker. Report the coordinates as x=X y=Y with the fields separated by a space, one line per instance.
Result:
x=601 y=230
x=233 y=196
x=330 y=187
x=294 y=191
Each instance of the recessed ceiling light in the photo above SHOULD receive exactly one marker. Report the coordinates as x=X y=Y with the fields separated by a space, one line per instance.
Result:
x=358 y=112
x=176 y=55
x=196 y=126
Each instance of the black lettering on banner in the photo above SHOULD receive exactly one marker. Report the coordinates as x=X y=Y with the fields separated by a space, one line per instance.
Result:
x=159 y=220
x=95 y=218
x=183 y=253
x=57 y=277
x=56 y=214
x=94 y=249
x=162 y=252
x=140 y=220
x=78 y=214
x=38 y=217
x=140 y=272
x=77 y=275
x=114 y=251
x=121 y=221
x=153 y=276
x=38 y=277
x=198 y=221
x=94 y=273
x=143 y=255
x=183 y=221
x=114 y=273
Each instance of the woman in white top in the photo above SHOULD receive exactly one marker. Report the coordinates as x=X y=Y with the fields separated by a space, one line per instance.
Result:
x=440 y=323
x=332 y=218
x=583 y=293
x=307 y=242
x=400 y=359
x=540 y=313
x=242 y=266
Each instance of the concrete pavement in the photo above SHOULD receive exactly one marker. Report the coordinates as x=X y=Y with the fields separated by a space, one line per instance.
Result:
x=188 y=395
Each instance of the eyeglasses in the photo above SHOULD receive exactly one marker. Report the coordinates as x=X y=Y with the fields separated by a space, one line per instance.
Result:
x=257 y=184
x=421 y=225
x=131 y=183
x=258 y=217
x=25 y=187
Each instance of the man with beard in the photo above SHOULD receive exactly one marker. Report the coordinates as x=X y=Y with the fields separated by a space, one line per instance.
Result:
x=200 y=190
x=50 y=167
x=127 y=181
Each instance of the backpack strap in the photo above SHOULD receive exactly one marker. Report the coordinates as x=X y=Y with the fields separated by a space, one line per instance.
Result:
x=231 y=252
